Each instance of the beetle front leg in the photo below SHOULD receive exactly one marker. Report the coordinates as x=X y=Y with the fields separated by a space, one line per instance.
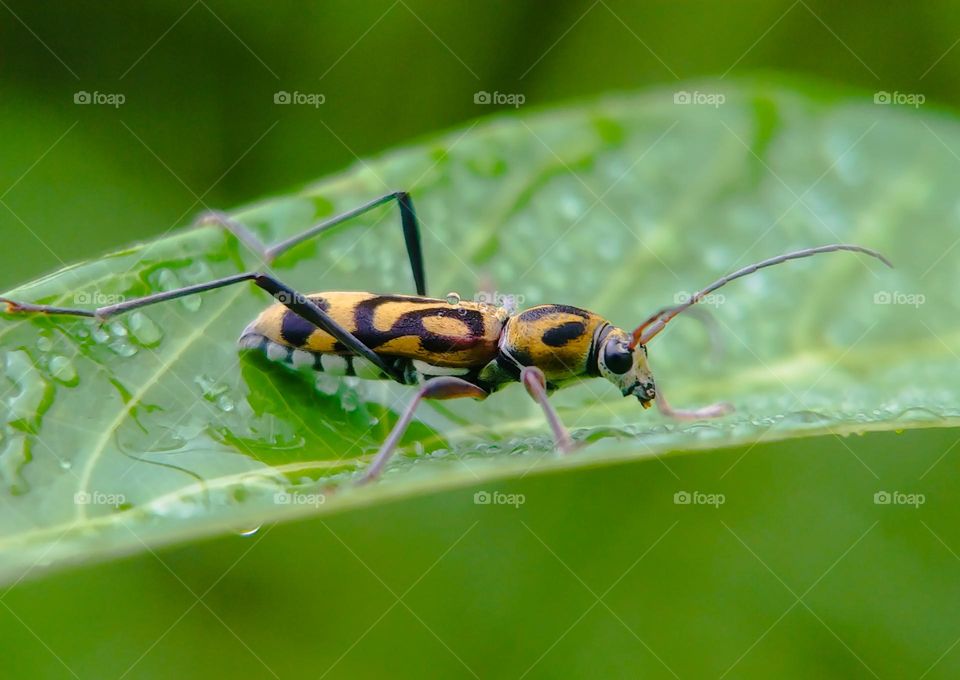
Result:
x=711 y=411
x=535 y=383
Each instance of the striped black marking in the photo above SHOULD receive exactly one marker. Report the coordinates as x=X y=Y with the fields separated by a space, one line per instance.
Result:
x=546 y=310
x=599 y=340
x=295 y=330
x=558 y=336
x=410 y=323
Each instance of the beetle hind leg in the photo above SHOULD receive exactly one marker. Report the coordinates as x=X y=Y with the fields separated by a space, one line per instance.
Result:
x=268 y=253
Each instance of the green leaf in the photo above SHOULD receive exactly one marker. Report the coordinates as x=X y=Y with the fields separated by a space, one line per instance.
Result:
x=153 y=428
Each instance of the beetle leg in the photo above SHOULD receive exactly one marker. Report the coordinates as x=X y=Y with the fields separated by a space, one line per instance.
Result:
x=442 y=387
x=709 y=411
x=535 y=383
x=297 y=302
x=408 y=220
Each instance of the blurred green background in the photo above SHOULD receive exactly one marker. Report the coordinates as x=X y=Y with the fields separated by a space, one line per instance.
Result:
x=199 y=128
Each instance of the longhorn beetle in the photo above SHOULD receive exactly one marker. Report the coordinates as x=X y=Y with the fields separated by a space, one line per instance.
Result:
x=448 y=349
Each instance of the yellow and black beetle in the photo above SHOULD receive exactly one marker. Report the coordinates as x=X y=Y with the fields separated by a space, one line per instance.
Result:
x=450 y=349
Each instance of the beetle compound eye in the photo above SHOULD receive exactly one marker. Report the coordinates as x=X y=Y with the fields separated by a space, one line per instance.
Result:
x=617 y=357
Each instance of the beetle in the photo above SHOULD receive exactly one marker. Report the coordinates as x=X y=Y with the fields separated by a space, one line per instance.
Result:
x=446 y=348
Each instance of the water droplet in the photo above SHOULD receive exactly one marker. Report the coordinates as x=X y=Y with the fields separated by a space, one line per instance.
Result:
x=327 y=384
x=143 y=330
x=225 y=403
x=122 y=348
x=66 y=464
x=117 y=329
x=214 y=392
x=453 y=298
x=44 y=343
x=63 y=370
x=349 y=401
x=249 y=532
x=167 y=280
x=191 y=302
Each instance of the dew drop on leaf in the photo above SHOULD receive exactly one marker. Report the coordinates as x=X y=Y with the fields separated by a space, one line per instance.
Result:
x=122 y=348
x=143 y=330
x=63 y=370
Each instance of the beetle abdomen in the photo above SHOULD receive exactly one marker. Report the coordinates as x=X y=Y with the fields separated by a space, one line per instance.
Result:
x=430 y=330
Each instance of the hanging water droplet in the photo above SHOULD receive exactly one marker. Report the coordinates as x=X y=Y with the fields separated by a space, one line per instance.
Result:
x=100 y=335
x=453 y=298
x=44 y=343
x=117 y=329
x=66 y=464
x=249 y=532
x=63 y=370
x=327 y=384
x=349 y=401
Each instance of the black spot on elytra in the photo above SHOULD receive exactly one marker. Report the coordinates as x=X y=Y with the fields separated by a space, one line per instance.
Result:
x=294 y=329
x=558 y=336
